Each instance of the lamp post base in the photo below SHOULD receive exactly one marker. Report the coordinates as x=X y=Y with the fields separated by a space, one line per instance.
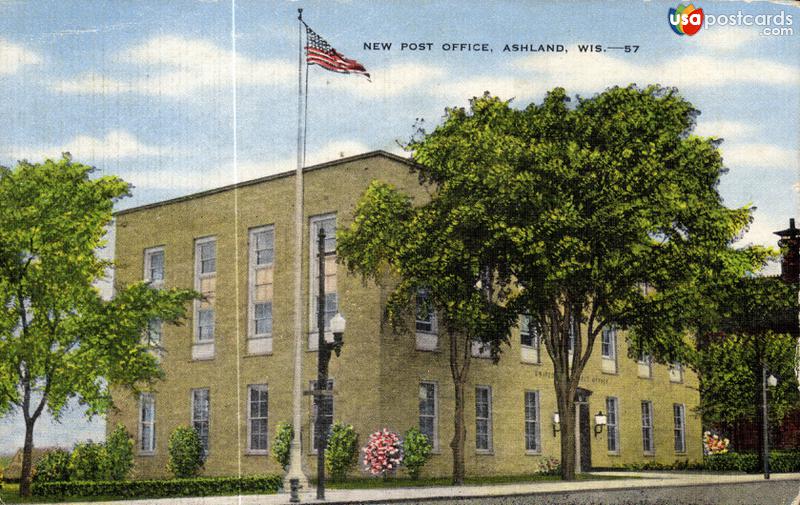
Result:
x=296 y=471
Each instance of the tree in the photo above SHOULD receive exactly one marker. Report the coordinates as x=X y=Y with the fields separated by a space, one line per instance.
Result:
x=185 y=452
x=755 y=326
x=579 y=215
x=119 y=453
x=58 y=338
x=435 y=247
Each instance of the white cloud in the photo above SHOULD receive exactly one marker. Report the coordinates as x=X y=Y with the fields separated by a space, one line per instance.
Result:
x=724 y=38
x=14 y=56
x=180 y=67
x=758 y=155
x=116 y=144
x=725 y=129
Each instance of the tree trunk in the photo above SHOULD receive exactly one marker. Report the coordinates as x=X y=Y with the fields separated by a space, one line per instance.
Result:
x=460 y=433
x=565 y=399
x=27 y=461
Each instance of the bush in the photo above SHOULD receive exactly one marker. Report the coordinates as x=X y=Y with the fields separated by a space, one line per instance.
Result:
x=282 y=444
x=52 y=467
x=88 y=462
x=119 y=454
x=160 y=488
x=732 y=462
x=549 y=466
x=185 y=452
x=383 y=453
x=416 y=451
x=341 y=454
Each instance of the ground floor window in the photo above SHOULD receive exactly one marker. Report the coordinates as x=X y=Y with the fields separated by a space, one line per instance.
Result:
x=679 y=415
x=532 y=441
x=483 y=418
x=612 y=427
x=320 y=406
x=428 y=412
x=257 y=416
x=201 y=410
x=647 y=427
x=147 y=423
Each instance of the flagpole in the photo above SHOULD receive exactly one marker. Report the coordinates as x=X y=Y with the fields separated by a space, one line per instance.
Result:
x=296 y=472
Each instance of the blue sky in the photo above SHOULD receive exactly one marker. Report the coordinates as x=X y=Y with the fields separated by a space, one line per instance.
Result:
x=154 y=91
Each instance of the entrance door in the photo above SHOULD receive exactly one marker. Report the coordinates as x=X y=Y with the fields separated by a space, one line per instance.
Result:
x=583 y=432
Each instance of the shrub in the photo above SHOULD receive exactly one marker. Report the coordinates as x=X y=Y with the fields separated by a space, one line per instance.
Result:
x=281 y=447
x=185 y=452
x=732 y=462
x=416 y=451
x=549 y=466
x=383 y=453
x=119 y=453
x=160 y=488
x=341 y=454
x=52 y=467
x=88 y=462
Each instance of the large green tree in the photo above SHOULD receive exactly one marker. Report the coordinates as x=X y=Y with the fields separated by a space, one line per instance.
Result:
x=58 y=338
x=437 y=248
x=599 y=211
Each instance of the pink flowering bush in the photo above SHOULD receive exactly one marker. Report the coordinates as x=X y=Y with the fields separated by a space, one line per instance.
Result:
x=714 y=444
x=383 y=453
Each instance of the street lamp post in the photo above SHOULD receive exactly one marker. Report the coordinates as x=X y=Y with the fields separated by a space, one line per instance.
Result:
x=321 y=393
x=770 y=381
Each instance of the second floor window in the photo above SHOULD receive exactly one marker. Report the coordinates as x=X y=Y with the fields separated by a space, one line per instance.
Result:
x=608 y=342
x=262 y=253
x=154 y=266
x=426 y=315
x=327 y=223
x=206 y=284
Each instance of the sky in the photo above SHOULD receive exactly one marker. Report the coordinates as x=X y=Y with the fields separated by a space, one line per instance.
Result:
x=181 y=96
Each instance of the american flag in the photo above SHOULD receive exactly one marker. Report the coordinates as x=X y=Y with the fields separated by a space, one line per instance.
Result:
x=319 y=52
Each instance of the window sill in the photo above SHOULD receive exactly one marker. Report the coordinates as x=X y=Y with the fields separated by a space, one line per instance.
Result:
x=649 y=454
x=484 y=452
x=613 y=454
x=249 y=452
x=608 y=372
x=148 y=454
x=257 y=354
x=525 y=362
x=533 y=453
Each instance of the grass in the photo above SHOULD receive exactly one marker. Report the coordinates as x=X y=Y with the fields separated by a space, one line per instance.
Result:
x=377 y=483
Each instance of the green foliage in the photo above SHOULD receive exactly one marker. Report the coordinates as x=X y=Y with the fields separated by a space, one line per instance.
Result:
x=341 y=454
x=185 y=452
x=208 y=486
x=119 y=453
x=88 y=462
x=281 y=446
x=549 y=466
x=562 y=211
x=57 y=335
x=52 y=467
x=416 y=451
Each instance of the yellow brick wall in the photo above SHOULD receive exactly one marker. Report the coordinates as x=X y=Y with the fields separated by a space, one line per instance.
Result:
x=377 y=376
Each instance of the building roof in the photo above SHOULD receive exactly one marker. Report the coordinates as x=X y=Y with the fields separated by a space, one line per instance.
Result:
x=327 y=164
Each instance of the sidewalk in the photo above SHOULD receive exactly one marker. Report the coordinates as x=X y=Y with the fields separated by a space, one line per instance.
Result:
x=639 y=480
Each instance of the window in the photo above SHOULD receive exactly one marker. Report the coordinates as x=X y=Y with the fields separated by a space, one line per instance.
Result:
x=153 y=337
x=529 y=340
x=645 y=365
x=154 y=266
x=679 y=415
x=327 y=223
x=201 y=408
x=647 y=427
x=676 y=372
x=612 y=427
x=262 y=254
x=426 y=315
x=257 y=415
x=205 y=283
x=323 y=407
x=532 y=441
x=483 y=418
x=147 y=423
x=608 y=342
x=429 y=413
